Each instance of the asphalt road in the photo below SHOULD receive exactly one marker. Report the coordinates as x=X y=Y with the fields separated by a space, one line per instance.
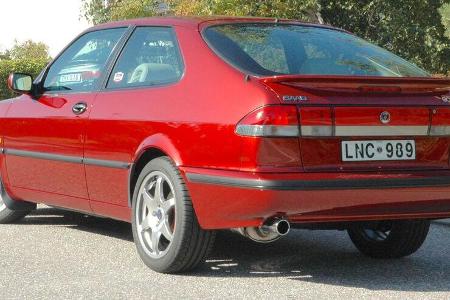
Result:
x=64 y=255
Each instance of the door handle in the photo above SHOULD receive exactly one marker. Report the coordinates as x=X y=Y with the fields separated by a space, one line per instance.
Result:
x=79 y=108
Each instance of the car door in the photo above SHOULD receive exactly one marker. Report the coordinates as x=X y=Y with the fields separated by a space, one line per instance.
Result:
x=127 y=111
x=44 y=136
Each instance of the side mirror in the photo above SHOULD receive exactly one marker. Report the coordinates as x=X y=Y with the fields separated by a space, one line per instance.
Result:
x=20 y=83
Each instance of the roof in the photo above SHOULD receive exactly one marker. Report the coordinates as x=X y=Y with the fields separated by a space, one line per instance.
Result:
x=195 y=21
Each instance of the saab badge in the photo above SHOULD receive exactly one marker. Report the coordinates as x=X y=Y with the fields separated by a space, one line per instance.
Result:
x=385 y=117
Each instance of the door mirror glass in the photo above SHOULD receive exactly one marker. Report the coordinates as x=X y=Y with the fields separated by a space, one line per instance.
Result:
x=20 y=83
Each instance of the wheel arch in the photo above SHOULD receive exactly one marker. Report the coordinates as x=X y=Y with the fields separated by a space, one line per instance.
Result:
x=152 y=147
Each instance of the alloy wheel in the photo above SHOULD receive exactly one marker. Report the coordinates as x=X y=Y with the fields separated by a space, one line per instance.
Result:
x=379 y=233
x=155 y=214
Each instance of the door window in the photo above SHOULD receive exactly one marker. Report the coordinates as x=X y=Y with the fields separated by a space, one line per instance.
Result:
x=151 y=57
x=81 y=65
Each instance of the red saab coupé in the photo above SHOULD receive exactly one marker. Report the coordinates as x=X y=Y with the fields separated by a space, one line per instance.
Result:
x=183 y=126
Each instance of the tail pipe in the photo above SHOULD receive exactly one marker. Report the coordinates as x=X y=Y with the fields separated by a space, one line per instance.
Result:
x=278 y=226
x=269 y=232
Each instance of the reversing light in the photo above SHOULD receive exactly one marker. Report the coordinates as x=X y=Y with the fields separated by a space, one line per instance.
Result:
x=270 y=121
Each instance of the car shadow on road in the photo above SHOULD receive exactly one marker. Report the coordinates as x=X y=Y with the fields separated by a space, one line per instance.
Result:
x=323 y=257
x=102 y=226
x=326 y=257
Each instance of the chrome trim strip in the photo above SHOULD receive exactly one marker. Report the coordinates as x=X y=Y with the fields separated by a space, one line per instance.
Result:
x=69 y=159
x=319 y=130
x=381 y=130
x=333 y=184
x=441 y=130
x=338 y=131
x=268 y=130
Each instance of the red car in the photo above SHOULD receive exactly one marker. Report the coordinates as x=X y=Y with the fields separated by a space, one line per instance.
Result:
x=183 y=126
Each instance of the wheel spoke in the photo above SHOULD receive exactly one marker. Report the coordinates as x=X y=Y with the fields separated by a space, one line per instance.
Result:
x=146 y=223
x=166 y=232
x=156 y=236
x=2 y=204
x=148 y=200
x=159 y=197
x=381 y=234
x=168 y=204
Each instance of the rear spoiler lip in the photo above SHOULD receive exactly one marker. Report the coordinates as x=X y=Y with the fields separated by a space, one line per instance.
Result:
x=363 y=85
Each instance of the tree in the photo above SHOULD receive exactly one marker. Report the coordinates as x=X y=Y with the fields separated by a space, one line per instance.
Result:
x=5 y=55
x=29 y=50
x=410 y=28
x=413 y=29
x=99 y=11
x=306 y=10
x=445 y=12
x=96 y=11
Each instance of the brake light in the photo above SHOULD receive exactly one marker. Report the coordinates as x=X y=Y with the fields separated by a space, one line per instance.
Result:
x=440 y=124
x=316 y=121
x=270 y=121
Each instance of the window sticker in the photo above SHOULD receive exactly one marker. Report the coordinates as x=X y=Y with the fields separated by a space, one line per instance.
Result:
x=118 y=77
x=75 y=77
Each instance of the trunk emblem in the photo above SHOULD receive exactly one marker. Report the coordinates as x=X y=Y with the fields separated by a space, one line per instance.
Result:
x=295 y=99
x=385 y=117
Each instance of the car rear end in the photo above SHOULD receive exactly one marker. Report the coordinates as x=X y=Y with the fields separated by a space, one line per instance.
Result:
x=354 y=133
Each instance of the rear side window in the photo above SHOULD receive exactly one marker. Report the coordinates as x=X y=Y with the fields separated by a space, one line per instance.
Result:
x=287 y=49
x=151 y=57
x=81 y=65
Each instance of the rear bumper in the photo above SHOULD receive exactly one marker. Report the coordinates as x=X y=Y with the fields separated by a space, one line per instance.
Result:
x=227 y=199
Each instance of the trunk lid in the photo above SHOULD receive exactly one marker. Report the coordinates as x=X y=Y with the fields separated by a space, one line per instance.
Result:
x=369 y=123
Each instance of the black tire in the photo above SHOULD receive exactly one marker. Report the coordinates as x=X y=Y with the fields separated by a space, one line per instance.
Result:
x=7 y=215
x=390 y=239
x=189 y=244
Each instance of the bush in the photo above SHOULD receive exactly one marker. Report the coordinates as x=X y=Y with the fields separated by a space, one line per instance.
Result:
x=29 y=66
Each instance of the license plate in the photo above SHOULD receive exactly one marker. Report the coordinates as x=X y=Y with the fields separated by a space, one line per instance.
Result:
x=378 y=150
x=70 y=78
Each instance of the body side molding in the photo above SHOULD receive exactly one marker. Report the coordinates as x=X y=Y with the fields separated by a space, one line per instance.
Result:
x=68 y=159
x=332 y=184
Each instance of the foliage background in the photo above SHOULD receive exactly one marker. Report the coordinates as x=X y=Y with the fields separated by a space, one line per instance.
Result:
x=417 y=30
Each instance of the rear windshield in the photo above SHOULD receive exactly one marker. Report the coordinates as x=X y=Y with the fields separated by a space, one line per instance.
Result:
x=280 y=49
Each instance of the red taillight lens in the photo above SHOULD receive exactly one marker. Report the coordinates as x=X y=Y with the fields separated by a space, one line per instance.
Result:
x=440 y=122
x=270 y=121
x=316 y=121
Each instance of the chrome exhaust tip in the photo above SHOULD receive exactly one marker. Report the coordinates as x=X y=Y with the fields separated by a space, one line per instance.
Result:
x=269 y=232
x=278 y=226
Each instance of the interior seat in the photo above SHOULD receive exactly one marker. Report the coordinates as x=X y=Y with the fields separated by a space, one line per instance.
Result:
x=151 y=72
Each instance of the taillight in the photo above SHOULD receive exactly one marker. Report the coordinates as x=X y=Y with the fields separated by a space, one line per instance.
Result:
x=292 y=121
x=270 y=121
x=316 y=121
x=440 y=124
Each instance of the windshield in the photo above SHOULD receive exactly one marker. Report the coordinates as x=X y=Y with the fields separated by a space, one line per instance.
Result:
x=287 y=49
